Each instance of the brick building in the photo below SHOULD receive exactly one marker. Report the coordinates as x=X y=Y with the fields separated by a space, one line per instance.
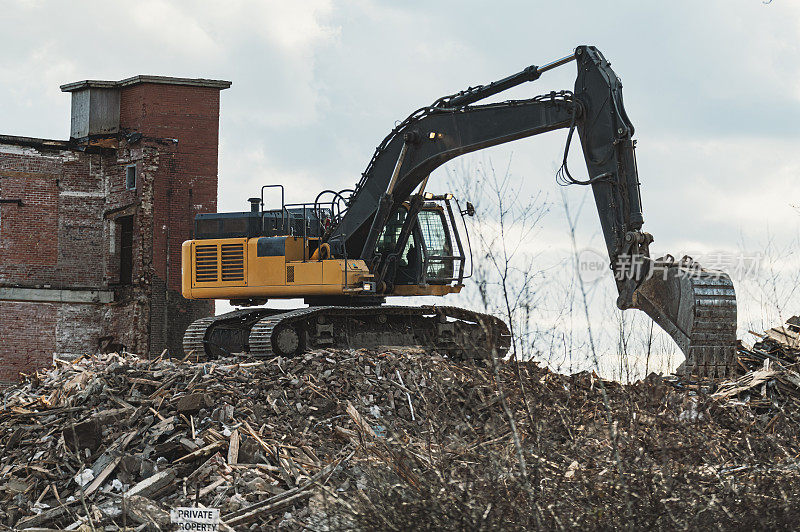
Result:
x=91 y=227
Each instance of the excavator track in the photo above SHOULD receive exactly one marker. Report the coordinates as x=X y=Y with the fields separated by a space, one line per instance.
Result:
x=289 y=341
x=274 y=332
x=224 y=335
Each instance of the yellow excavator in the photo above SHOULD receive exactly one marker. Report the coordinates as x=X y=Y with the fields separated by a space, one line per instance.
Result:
x=348 y=250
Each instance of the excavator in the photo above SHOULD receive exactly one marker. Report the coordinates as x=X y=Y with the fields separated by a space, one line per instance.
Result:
x=348 y=250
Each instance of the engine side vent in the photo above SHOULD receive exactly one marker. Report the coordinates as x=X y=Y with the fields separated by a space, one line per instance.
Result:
x=232 y=262
x=206 y=263
x=290 y=274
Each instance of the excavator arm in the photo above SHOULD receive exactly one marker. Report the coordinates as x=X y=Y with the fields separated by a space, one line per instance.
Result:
x=697 y=307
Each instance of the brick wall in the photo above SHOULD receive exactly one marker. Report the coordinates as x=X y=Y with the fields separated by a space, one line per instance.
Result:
x=33 y=250
x=61 y=238
x=58 y=236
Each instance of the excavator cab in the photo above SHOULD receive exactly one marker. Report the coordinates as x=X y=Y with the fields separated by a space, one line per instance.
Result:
x=432 y=253
x=407 y=270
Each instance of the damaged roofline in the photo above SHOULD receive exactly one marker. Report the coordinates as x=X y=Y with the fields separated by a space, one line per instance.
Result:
x=135 y=80
x=32 y=142
x=90 y=142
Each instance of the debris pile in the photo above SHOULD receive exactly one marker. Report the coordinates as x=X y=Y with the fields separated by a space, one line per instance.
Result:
x=393 y=439
x=769 y=379
x=779 y=344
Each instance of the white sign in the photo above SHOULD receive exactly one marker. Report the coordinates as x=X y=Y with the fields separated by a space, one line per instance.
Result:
x=195 y=518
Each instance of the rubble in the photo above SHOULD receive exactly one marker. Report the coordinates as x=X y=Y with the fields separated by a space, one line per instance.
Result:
x=396 y=439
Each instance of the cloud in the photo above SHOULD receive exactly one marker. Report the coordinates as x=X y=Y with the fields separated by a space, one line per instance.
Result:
x=713 y=89
x=176 y=27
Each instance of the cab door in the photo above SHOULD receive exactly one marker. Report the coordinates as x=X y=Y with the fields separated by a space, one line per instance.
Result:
x=434 y=232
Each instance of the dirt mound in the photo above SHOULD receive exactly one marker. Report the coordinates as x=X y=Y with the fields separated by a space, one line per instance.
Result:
x=393 y=440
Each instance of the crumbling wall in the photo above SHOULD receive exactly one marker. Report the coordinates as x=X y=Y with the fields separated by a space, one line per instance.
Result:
x=54 y=240
x=81 y=199
x=57 y=231
x=127 y=323
x=62 y=288
x=78 y=329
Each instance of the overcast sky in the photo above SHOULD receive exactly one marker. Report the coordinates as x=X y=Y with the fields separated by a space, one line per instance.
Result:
x=713 y=88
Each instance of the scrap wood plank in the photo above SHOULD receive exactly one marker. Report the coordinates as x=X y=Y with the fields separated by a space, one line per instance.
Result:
x=152 y=484
x=302 y=459
x=201 y=451
x=122 y=402
x=146 y=512
x=233 y=448
x=140 y=380
x=359 y=420
x=263 y=467
x=163 y=387
x=46 y=516
x=110 y=460
x=270 y=508
x=208 y=489
x=23 y=412
x=744 y=383
x=204 y=469
x=260 y=441
x=39 y=469
x=113 y=414
x=98 y=480
x=309 y=452
x=264 y=470
x=346 y=434
x=784 y=336
x=791 y=376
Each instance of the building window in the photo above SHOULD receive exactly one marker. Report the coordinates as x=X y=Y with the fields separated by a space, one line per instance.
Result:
x=130 y=177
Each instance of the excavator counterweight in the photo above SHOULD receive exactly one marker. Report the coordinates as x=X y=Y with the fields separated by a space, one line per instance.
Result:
x=350 y=249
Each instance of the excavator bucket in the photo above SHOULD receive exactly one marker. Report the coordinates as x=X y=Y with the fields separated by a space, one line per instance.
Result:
x=697 y=307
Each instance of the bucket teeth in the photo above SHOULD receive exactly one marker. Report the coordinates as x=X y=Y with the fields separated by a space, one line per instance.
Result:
x=697 y=307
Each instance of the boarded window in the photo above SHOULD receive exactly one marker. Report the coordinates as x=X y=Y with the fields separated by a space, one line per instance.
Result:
x=125 y=249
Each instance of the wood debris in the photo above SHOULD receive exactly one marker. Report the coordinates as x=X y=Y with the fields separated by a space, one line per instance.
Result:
x=769 y=376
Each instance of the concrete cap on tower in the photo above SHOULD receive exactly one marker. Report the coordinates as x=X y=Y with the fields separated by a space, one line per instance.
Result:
x=135 y=80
